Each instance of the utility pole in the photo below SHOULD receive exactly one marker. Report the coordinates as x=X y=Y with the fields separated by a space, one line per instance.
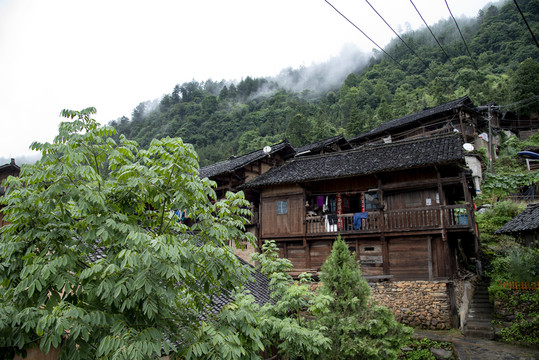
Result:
x=490 y=140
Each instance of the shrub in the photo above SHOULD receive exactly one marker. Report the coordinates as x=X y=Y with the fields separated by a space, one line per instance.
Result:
x=357 y=327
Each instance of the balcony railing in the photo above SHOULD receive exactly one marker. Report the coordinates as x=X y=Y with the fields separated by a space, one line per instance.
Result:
x=452 y=216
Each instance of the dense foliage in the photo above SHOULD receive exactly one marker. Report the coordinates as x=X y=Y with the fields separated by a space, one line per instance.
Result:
x=523 y=305
x=286 y=324
x=506 y=260
x=421 y=349
x=94 y=259
x=511 y=177
x=357 y=326
x=225 y=118
x=517 y=310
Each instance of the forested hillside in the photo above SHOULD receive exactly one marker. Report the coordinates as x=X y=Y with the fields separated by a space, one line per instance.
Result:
x=497 y=62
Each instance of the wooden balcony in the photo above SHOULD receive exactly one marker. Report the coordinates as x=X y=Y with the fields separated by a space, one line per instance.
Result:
x=428 y=218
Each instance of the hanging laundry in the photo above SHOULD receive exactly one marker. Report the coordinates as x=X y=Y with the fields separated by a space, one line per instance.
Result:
x=358 y=219
x=320 y=200
x=181 y=215
x=331 y=223
x=332 y=204
x=325 y=208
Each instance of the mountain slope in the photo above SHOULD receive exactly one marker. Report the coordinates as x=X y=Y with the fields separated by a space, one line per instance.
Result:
x=223 y=118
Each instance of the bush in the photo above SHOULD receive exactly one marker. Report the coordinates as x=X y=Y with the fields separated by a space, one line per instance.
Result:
x=357 y=327
x=421 y=349
x=521 y=307
x=518 y=308
x=494 y=218
x=518 y=264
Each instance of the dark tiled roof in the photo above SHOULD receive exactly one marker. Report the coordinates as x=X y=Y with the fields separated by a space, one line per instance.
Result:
x=258 y=286
x=10 y=165
x=319 y=145
x=365 y=160
x=235 y=163
x=525 y=221
x=422 y=115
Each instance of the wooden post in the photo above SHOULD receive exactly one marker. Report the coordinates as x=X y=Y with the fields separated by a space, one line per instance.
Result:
x=385 y=254
x=470 y=213
x=308 y=255
x=381 y=220
x=429 y=250
x=464 y=135
x=259 y=224
x=443 y=204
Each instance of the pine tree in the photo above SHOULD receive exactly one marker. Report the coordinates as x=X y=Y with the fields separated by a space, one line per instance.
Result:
x=356 y=325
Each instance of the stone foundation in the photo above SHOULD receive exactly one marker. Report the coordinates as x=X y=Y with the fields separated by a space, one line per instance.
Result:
x=420 y=304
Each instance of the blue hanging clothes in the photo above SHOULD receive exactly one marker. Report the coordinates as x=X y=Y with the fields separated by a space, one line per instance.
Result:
x=180 y=214
x=358 y=219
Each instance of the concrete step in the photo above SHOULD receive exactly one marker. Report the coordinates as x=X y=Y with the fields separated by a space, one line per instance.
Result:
x=479 y=317
x=479 y=325
x=480 y=310
x=483 y=334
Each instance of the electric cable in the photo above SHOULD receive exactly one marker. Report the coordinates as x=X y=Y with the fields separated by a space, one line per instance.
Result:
x=401 y=39
x=522 y=102
x=462 y=36
x=432 y=33
x=526 y=22
x=371 y=40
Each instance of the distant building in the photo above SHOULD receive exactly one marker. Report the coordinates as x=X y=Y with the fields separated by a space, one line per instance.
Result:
x=524 y=226
x=6 y=170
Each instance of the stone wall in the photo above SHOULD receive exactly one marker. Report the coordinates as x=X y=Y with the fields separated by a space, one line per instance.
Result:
x=421 y=304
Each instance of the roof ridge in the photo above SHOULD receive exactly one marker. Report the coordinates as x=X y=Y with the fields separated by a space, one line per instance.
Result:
x=367 y=147
x=234 y=157
x=383 y=126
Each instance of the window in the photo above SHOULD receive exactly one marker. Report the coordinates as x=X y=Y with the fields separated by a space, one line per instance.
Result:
x=281 y=207
x=371 y=201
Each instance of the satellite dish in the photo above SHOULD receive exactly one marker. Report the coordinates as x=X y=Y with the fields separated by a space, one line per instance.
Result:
x=266 y=149
x=468 y=147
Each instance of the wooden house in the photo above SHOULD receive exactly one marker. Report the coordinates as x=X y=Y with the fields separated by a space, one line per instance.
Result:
x=524 y=226
x=405 y=208
x=234 y=172
x=231 y=173
x=333 y=144
x=6 y=170
x=459 y=116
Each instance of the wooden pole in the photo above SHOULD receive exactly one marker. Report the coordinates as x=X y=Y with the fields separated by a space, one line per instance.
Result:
x=429 y=250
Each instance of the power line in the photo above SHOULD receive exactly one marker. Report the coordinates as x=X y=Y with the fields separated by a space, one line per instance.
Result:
x=435 y=38
x=523 y=18
x=462 y=37
x=522 y=102
x=401 y=39
x=371 y=40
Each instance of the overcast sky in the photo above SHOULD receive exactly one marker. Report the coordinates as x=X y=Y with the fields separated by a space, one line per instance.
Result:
x=114 y=54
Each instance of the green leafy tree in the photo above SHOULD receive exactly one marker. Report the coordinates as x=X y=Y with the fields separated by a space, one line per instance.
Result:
x=281 y=328
x=357 y=326
x=298 y=130
x=285 y=322
x=94 y=261
x=510 y=175
x=525 y=85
